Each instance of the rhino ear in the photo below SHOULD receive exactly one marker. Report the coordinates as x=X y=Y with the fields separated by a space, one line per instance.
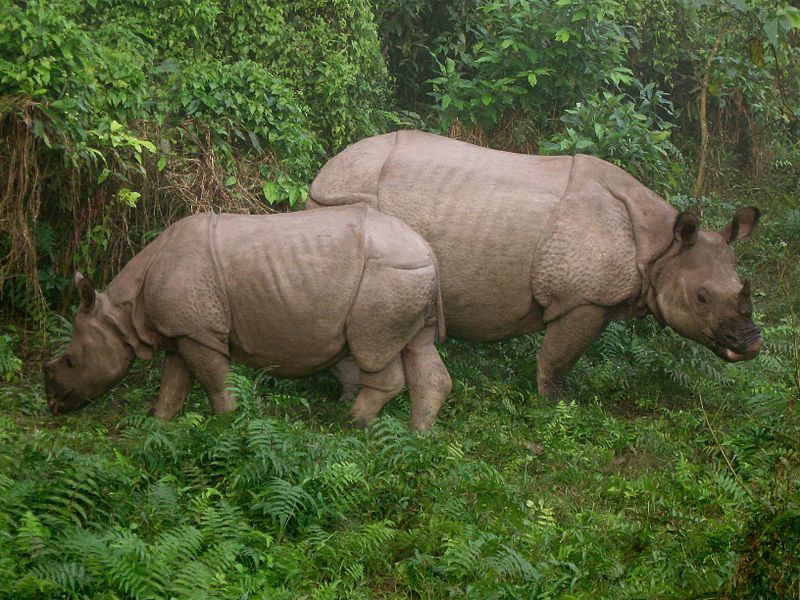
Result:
x=742 y=225
x=685 y=229
x=86 y=292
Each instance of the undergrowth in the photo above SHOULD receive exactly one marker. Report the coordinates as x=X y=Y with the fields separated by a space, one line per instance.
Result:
x=621 y=491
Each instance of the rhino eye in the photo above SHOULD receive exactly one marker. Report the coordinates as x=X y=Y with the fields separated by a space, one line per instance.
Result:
x=702 y=298
x=69 y=361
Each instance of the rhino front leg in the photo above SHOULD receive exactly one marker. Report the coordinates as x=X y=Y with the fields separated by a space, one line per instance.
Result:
x=176 y=382
x=376 y=390
x=428 y=381
x=210 y=368
x=346 y=371
x=565 y=339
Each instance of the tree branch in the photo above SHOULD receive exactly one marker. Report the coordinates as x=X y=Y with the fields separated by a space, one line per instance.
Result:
x=703 y=158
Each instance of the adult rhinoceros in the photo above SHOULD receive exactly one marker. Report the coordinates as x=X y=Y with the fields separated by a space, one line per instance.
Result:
x=559 y=243
x=287 y=292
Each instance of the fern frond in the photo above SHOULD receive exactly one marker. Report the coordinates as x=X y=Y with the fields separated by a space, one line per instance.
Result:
x=463 y=557
x=178 y=545
x=344 y=486
x=507 y=562
x=66 y=576
x=283 y=501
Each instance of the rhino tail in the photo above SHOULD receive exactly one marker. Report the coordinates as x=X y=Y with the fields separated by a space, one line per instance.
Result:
x=441 y=332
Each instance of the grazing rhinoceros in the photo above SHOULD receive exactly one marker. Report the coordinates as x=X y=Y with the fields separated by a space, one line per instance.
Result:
x=558 y=243
x=290 y=292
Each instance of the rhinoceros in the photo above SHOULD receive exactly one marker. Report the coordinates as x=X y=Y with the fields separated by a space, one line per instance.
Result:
x=559 y=243
x=290 y=292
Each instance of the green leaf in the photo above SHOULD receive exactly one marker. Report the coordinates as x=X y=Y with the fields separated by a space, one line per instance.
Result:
x=231 y=180
x=599 y=131
x=272 y=192
x=771 y=29
x=254 y=140
x=562 y=35
x=659 y=136
x=532 y=79
x=793 y=14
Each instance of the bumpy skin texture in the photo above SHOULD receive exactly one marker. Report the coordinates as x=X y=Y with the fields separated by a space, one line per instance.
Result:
x=290 y=292
x=565 y=244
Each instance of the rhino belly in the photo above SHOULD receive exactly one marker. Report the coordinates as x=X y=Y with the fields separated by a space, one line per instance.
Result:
x=290 y=281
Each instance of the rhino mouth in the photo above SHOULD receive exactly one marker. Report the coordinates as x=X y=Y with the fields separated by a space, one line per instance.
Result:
x=740 y=346
x=61 y=401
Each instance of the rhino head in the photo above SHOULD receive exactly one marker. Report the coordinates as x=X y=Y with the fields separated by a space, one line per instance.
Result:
x=698 y=292
x=95 y=359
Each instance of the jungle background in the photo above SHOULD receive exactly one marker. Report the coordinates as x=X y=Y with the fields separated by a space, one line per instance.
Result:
x=664 y=474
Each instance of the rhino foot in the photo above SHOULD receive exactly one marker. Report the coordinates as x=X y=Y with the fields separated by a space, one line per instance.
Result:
x=565 y=339
x=346 y=371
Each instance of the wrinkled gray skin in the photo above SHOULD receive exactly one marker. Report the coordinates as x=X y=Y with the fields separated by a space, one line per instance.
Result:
x=564 y=244
x=290 y=292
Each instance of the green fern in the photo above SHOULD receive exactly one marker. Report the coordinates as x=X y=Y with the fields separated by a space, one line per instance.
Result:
x=345 y=487
x=464 y=557
x=32 y=537
x=178 y=545
x=283 y=501
x=508 y=563
x=67 y=577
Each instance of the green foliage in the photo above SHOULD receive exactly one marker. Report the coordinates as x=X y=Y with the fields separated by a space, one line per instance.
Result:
x=532 y=57
x=632 y=134
x=125 y=114
x=10 y=364
x=620 y=491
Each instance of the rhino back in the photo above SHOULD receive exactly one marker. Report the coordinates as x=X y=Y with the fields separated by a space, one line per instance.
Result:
x=519 y=239
x=483 y=212
x=352 y=176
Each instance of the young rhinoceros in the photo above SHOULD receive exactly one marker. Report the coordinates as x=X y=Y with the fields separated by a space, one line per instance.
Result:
x=559 y=243
x=289 y=292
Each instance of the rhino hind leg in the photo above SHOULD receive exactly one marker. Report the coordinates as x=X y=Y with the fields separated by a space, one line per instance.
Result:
x=565 y=339
x=210 y=368
x=377 y=389
x=346 y=371
x=428 y=381
x=176 y=383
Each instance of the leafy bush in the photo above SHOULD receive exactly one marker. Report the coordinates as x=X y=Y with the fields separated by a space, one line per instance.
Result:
x=530 y=57
x=634 y=134
x=124 y=115
x=10 y=364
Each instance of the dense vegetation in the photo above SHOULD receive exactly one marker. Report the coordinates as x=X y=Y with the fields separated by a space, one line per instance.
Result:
x=664 y=474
